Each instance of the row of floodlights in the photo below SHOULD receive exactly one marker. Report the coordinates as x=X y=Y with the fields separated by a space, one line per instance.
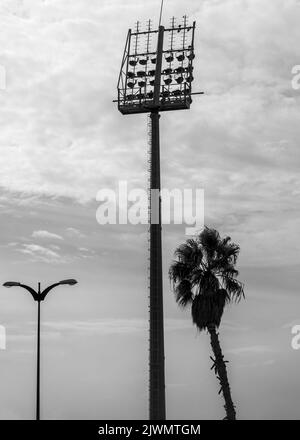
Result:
x=142 y=73
x=165 y=94
x=169 y=58
x=168 y=81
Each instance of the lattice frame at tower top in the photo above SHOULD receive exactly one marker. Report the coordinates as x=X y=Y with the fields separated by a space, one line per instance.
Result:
x=138 y=73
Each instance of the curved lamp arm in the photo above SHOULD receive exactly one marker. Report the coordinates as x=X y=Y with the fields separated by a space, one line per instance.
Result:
x=47 y=290
x=31 y=290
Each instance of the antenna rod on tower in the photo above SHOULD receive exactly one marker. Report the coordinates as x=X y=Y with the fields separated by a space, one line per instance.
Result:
x=161 y=9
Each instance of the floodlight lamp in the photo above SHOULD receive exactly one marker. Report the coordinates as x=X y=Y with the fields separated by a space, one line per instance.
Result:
x=167 y=71
x=133 y=62
x=169 y=58
x=180 y=69
x=179 y=79
x=180 y=57
x=143 y=61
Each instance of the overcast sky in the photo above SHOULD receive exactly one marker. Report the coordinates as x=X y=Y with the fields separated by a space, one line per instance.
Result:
x=62 y=139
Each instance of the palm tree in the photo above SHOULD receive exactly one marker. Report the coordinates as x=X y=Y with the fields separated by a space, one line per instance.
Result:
x=204 y=277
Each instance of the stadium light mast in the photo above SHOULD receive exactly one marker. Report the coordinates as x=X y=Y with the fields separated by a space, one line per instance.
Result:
x=152 y=80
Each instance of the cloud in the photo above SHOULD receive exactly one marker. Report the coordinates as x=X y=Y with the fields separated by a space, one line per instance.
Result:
x=41 y=253
x=46 y=234
x=53 y=253
x=73 y=232
x=251 y=350
x=54 y=247
x=116 y=326
x=258 y=364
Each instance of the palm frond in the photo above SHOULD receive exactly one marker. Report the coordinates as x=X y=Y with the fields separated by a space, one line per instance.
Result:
x=210 y=241
x=179 y=271
x=183 y=293
x=228 y=270
x=234 y=288
x=228 y=250
x=196 y=276
x=189 y=252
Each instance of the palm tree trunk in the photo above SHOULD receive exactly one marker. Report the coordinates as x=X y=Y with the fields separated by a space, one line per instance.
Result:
x=220 y=369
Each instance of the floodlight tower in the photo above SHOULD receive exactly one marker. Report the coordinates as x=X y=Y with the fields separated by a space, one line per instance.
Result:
x=155 y=79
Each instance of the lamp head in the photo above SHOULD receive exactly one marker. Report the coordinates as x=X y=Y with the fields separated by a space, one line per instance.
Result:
x=11 y=284
x=70 y=282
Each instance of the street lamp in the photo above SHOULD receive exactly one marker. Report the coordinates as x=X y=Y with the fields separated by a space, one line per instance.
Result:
x=39 y=296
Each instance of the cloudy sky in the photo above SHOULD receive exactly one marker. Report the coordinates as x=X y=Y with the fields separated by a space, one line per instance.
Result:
x=62 y=140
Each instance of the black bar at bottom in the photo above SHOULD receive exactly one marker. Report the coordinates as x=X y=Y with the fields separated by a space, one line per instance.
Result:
x=91 y=429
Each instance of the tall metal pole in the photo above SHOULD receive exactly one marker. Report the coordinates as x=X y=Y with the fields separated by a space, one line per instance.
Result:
x=39 y=296
x=38 y=357
x=157 y=407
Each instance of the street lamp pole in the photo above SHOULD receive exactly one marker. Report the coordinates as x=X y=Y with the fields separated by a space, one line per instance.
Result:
x=39 y=296
x=38 y=356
